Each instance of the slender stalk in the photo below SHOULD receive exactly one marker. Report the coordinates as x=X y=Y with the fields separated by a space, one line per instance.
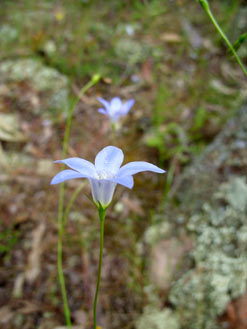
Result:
x=113 y=129
x=206 y=7
x=92 y=82
x=61 y=276
x=102 y=212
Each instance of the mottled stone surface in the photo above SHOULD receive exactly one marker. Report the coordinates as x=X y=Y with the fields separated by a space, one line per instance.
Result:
x=209 y=205
x=212 y=196
x=35 y=87
x=225 y=157
x=154 y=318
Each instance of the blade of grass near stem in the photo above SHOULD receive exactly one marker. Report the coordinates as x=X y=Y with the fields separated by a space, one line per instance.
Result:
x=206 y=7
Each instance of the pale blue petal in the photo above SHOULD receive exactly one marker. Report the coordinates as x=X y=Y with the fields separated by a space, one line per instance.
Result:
x=103 y=111
x=102 y=191
x=109 y=160
x=115 y=105
x=138 y=166
x=127 y=106
x=104 y=102
x=66 y=175
x=115 y=117
x=126 y=181
x=82 y=166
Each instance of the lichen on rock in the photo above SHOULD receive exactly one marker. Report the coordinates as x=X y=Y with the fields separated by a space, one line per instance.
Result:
x=220 y=258
x=153 y=318
x=46 y=89
x=211 y=197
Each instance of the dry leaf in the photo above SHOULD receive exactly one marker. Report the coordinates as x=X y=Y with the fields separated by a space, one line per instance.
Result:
x=28 y=308
x=18 y=285
x=6 y=314
x=221 y=88
x=33 y=267
x=146 y=70
x=170 y=37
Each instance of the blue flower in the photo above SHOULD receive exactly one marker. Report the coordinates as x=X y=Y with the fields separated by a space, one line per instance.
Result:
x=105 y=174
x=115 y=109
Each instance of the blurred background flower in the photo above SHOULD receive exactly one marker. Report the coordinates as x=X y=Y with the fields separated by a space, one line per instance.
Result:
x=115 y=109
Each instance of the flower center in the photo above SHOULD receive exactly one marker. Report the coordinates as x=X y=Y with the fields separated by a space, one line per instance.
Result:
x=104 y=174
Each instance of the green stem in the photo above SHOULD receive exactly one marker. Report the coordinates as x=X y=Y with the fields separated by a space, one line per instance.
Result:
x=92 y=82
x=206 y=7
x=61 y=276
x=113 y=129
x=102 y=212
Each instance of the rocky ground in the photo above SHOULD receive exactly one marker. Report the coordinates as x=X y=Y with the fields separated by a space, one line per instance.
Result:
x=206 y=218
x=174 y=249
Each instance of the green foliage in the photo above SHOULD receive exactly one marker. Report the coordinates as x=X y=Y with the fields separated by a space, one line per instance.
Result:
x=160 y=107
x=172 y=136
x=149 y=9
x=79 y=38
x=200 y=119
x=171 y=140
x=239 y=42
x=8 y=239
x=169 y=182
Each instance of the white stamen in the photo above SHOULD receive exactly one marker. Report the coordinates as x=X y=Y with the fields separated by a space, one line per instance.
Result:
x=104 y=175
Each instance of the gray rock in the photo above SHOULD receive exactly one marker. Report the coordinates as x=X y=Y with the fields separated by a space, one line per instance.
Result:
x=46 y=91
x=225 y=157
x=8 y=34
x=154 y=318
x=212 y=196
